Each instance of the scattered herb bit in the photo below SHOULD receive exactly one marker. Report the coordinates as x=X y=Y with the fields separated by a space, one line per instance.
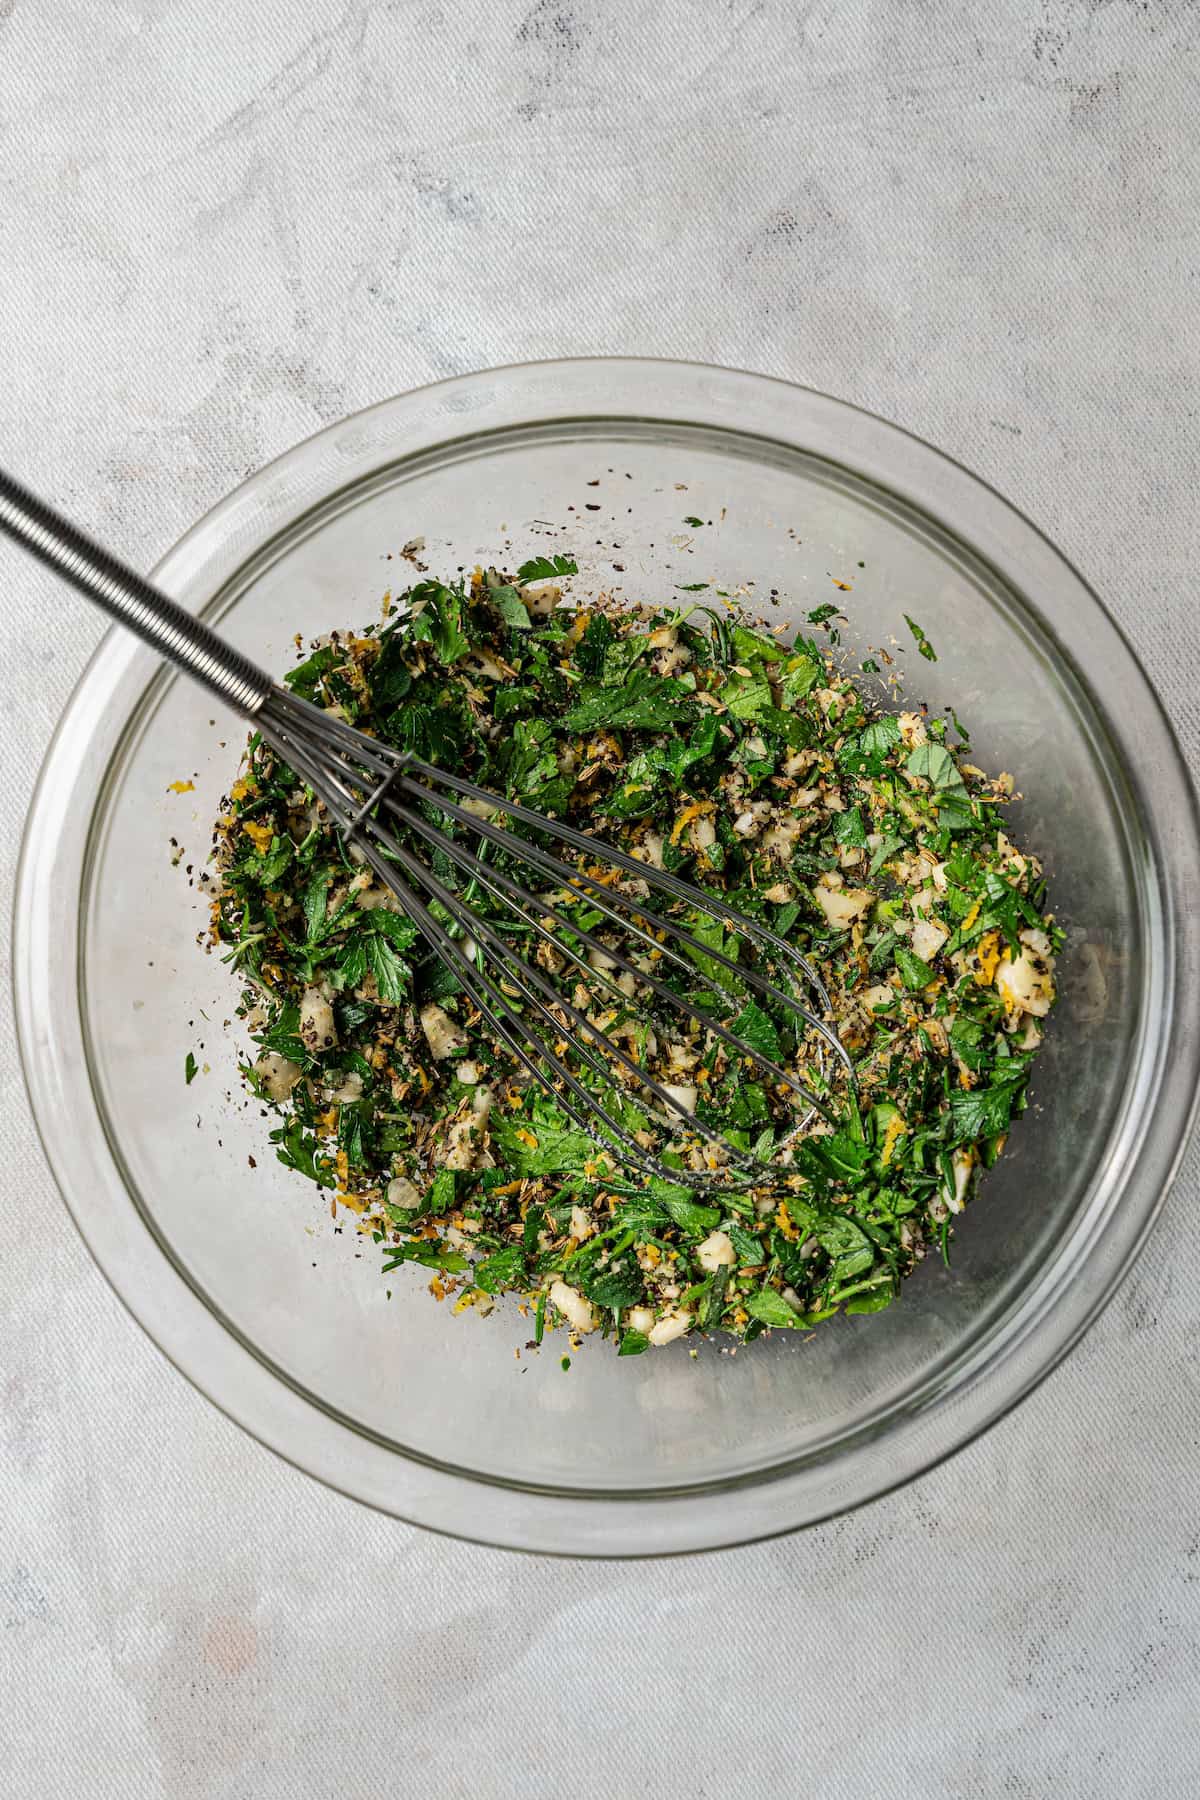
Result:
x=191 y=1069
x=922 y=642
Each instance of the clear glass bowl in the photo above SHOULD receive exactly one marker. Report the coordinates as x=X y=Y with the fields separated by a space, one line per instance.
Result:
x=238 y=1273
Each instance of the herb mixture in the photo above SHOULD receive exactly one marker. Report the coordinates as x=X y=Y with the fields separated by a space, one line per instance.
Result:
x=754 y=769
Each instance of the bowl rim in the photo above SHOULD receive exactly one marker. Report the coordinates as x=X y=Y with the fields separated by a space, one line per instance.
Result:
x=268 y=505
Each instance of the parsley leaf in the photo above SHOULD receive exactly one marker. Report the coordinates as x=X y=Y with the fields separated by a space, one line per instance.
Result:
x=690 y=1216
x=886 y=850
x=848 y=828
x=746 y=695
x=752 y=646
x=390 y=678
x=554 y=1148
x=968 y=1042
x=512 y=609
x=531 y=767
x=306 y=678
x=297 y=1149
x=593 y=645
x=392 y=974
x=641 y=788
x=616 y=1285
x=794 y=731
x=985 y=1111
x=867 y=751
x=801 y=674
x=915 y=972
x=546 y=568
x=933 y=763
x=756 y=1028
x=437 y=620
x=314 y=904
x=429 y=731
x=646 y=702
x=922 y=642
x=503 y=1270
x=848 y=1247
x=396 y=926
x=770 y=1306
x=749 y=1246
x=843 y=1154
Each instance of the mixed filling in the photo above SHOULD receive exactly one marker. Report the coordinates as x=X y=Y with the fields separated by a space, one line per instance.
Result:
x=757 y=772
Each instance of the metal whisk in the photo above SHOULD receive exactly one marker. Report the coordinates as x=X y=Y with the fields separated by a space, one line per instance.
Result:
x=542 y=1008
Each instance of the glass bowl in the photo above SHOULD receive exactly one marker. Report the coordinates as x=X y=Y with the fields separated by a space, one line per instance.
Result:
x=239 y=1274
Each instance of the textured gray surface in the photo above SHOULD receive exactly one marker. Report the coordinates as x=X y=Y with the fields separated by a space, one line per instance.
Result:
x=212 y=241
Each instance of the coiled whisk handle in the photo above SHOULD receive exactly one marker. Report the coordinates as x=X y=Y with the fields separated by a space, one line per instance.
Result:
x=130 y=599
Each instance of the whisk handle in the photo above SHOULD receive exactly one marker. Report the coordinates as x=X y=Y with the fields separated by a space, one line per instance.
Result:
x=130 y=599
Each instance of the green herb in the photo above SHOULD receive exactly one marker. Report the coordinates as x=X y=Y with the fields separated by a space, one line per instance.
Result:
x=546 y=568
x=934 y=764
x=190 y=1069
x=983 y=1112
x=437 y=620
x=391 y=972
x=555 y=1147
x=614 y=1285
x=915 y=972
x=772 y=1309
x=512 y=609
x=645 y=703
x=759 y=1030
x=691 y=1217
x=429 y=1255
x=756 y=646
x=922 y=642
x=504 y=1270
x=298 y=1149
x=866 y=753
x=849 y=828
x=693 y=738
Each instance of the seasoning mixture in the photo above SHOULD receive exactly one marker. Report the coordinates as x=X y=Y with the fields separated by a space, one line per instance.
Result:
x=754 y=769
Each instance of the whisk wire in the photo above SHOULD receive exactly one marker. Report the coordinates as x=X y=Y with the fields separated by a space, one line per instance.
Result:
x=368 y=785
x=494 y=1006
x=500 y=885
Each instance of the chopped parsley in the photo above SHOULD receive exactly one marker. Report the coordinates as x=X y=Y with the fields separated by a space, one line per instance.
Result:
x=922 y=642
x=704 y=745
